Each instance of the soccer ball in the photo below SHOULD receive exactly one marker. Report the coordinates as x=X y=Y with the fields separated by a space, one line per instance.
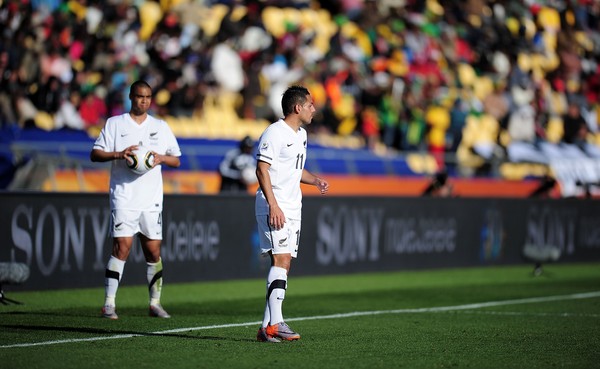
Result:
x=142 y=160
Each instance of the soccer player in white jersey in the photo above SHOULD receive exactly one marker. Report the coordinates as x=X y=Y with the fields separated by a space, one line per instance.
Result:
x=136 y=200
x=280 y=170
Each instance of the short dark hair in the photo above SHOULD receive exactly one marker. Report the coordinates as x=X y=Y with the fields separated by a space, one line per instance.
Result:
x=293 y=96
x=137 y=84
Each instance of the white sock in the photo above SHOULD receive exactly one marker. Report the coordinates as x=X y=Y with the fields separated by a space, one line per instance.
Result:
x=276 y=285
x=266 y=316
x=154 y=275
x=112 y=277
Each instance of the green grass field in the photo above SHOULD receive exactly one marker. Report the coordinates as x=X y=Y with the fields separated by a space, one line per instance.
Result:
x=494 y=317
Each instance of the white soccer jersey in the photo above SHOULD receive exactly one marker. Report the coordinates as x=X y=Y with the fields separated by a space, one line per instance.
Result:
x=285 y=150
x=130 y=191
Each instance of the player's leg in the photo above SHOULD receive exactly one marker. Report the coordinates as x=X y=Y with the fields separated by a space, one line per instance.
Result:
x=277 y=285
x=265 y=240
x=150 y=239
x=277 y=279
x=124 y=227
x=261 y=335
x=113 y=275
x=284 y=247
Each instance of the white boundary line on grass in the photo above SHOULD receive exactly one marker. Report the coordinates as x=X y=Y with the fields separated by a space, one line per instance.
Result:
x=531 y=300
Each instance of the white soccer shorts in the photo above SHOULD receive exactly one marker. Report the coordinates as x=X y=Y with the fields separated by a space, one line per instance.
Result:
x=279 y=241
x=127 y=223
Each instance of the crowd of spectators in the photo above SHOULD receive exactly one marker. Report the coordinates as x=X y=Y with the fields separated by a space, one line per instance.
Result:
x=478 y=78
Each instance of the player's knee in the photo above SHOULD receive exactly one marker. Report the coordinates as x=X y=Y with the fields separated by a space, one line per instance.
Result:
x=282 y=261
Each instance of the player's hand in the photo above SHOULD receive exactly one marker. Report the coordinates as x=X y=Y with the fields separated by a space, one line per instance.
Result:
x=322 y=185
x=158 y=159
x=276 y=217
x=127 y=154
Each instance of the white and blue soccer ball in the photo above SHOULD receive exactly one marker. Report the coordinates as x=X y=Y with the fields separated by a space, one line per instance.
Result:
x=142 y=160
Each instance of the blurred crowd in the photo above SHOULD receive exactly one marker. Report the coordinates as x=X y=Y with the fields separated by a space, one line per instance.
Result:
x=480 y=79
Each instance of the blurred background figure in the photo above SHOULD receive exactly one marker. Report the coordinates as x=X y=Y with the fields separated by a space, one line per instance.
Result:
x=238 y=168
x=68 y=115
x=544 y=190
x=439 y=186
x=575 y=127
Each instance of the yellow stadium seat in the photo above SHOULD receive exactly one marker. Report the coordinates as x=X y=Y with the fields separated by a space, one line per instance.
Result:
x=555 y=129
x=44 y=120
x=175 y=126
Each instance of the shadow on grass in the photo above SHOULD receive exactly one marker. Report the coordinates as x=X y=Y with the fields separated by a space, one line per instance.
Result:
x=112 y=332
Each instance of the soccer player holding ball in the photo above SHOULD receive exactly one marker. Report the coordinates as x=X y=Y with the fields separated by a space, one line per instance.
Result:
x=136 y=197
x=280 y=170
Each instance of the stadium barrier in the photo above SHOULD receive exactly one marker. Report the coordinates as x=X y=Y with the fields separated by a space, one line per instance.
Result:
x=209 y=183
x=63 y=238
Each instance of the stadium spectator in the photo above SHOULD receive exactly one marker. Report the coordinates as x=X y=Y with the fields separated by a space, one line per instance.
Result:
x=93 y=109
x=575 y=127
x=68 y=114
x=238 y=168
x=497 y=103
x=8 y=114
x=26 y=110
x=280 y=170
x=136 y=200
x=458 y=117
x=48 y=98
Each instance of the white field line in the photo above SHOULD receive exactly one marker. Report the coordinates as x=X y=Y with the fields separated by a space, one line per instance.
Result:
x=531 y=300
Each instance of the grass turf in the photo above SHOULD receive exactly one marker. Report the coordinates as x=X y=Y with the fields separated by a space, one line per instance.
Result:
x=396 y=324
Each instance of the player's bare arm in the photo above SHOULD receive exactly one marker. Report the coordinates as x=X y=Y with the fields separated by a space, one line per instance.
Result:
x=169 y=160
x=98 y=155
x=276 y=216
